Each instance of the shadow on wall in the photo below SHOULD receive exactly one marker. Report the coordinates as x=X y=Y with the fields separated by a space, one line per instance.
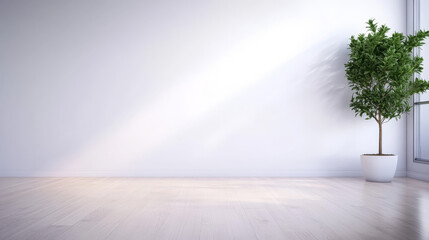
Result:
x=262 y=101
x=327 y=81
x=183 y=106
x=193 y=127
x=255 y=109
x=152 y=85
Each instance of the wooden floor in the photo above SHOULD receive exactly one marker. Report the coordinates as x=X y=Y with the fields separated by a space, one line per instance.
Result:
x=192 y=208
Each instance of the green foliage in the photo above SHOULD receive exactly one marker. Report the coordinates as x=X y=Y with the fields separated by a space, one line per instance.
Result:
x=380 y=72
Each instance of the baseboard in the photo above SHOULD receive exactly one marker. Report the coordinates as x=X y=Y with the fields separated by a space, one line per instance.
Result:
x=192 y=173
x=418 y=175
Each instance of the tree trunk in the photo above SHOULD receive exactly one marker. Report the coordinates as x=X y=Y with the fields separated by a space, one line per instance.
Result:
x=380 y=138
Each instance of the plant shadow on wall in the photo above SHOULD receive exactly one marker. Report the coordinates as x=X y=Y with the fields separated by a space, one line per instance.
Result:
x=333 y=121
x=257 y=119
x=263 y=124
x=326 y=80
x=173 y=116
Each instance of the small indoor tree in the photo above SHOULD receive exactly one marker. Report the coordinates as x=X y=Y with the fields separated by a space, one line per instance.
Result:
x=380 y=73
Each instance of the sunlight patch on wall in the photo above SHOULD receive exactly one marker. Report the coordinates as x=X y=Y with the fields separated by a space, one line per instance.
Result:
x=183 y=105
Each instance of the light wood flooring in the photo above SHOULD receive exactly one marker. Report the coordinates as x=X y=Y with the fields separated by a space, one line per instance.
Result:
x=213 y=208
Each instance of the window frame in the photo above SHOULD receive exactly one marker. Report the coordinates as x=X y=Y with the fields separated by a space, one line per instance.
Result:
x=416 y=98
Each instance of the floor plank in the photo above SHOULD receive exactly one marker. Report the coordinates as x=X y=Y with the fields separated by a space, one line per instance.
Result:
x=213 y=208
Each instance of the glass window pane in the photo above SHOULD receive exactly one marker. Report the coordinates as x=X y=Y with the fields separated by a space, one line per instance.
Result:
x=424 y=52
x=422 y=110
x=422 y=131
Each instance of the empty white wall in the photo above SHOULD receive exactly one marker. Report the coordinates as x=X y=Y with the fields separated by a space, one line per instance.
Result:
x=185 y=88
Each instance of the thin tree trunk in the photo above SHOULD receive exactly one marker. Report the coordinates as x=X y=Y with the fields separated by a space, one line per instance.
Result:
x=380 y=135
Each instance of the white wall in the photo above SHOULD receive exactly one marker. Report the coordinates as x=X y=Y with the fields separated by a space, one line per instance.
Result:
x=185 y=88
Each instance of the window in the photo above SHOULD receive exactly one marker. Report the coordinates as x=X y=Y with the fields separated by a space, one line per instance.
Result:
x=421 y=102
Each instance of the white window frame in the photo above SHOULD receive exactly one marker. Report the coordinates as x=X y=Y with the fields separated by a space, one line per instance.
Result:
x=416 y=97
x=416 y=168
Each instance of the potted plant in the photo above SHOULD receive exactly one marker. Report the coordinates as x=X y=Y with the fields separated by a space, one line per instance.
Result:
x=380 y=73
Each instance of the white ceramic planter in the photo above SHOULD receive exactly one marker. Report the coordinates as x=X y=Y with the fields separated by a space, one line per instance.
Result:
x=379 y=168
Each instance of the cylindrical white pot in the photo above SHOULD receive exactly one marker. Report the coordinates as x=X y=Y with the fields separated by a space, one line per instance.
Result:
x=379 y=168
